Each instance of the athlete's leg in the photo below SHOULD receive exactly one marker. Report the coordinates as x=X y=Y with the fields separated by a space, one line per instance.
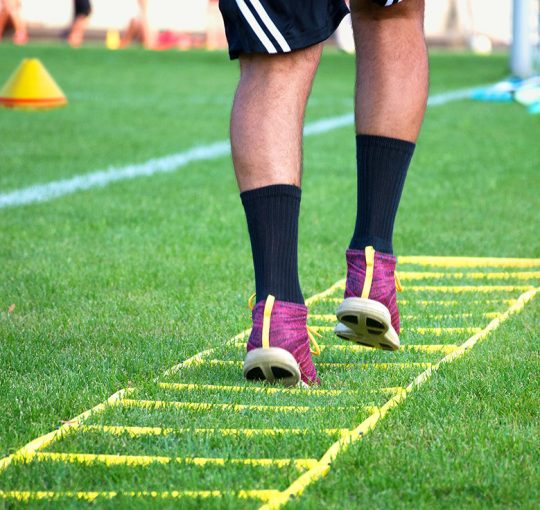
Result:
x=76 y=35
x=266 y=137
x=392 y=68
x=391 y=94
x=4 y=18
x=279 y=46
x=12 y=8
x=268 y=114
x=83 y=10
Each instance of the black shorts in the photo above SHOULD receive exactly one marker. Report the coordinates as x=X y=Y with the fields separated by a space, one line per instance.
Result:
x=280 y=26
x=82 y=8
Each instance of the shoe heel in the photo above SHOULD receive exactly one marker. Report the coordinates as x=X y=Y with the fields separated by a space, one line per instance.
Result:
x=273 y=365
x=367 y=323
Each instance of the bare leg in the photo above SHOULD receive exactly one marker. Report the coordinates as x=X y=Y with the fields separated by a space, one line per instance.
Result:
x=392 y=68
x=146 y=34
x=131 y=33
x=266 y=137
x=268 y=115
x=76 y=35
x=12 y=9
x=138 y=28
x=3 y=20
x=391 y=94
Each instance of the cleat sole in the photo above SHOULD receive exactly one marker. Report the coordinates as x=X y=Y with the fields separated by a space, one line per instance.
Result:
x=273 y=365
x=366 y=322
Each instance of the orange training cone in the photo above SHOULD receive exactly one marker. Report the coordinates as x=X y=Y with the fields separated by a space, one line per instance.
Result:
x=31 y=87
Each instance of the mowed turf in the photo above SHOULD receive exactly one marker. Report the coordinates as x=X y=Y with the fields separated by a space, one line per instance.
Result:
x=114 y=285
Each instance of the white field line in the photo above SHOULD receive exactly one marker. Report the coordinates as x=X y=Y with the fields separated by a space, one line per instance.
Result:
x=173 y=162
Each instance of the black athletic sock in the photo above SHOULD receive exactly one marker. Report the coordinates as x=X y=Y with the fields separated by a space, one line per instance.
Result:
x=272 y=217
x=382 y=168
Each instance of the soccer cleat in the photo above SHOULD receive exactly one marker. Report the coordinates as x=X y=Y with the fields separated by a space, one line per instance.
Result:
x=369 y=314
x=278 y=349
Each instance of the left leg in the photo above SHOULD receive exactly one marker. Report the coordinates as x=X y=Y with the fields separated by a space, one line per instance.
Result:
x=278 y=43
x=266 y=138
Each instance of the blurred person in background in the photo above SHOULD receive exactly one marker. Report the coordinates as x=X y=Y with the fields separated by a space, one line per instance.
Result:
x=10 y=14
x=82 y=10
x=279 y=45
x=138 y=28
x=215 y=36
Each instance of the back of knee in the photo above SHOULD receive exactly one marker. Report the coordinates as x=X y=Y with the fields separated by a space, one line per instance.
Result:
x=368 y=10
x=295 y=65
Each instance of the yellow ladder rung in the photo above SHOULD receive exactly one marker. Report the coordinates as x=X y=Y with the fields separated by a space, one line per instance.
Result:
x=431 y=348
x=26 y=496
x=393 y=390
x=507 y=275
x=457 y=289
x=205 y=406
x=420 y=331
x=455 y=302
x=159 y=431
x=144 y=460
x=326 y=317
x=466 y=315
x=428 y=348
x=328 y=364
x=436 y=302
x=271 y=390
x=381 y=366
x=442 y=331
x=480 y=262
x=254 y=389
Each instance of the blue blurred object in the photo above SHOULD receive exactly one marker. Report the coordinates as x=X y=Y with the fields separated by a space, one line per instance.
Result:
x=501 y=92
x=534 y=108
x=525 y=92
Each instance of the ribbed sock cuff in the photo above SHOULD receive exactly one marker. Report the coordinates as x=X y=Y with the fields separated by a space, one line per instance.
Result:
x=382 y=168
x=272 y=217
x=274 y=190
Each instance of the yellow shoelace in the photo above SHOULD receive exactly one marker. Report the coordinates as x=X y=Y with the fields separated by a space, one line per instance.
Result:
x=314 y=346
x=399 y=287
x=370 y=265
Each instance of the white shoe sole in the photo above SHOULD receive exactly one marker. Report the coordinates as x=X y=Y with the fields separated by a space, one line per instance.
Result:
x=273 y=365
x=366 y=322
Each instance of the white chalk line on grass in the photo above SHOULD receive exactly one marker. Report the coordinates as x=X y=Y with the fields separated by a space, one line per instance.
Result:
x=173 y=162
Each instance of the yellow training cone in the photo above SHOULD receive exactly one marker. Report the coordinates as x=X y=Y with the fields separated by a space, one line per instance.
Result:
x=112 y=41
x=31 y=87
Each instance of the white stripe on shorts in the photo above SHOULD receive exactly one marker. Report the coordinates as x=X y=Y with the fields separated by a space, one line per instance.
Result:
x=254 y=24
x=391 y=2
x=270 y=25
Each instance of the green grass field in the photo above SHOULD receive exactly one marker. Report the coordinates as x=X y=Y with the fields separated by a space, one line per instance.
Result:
x=114 y=285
